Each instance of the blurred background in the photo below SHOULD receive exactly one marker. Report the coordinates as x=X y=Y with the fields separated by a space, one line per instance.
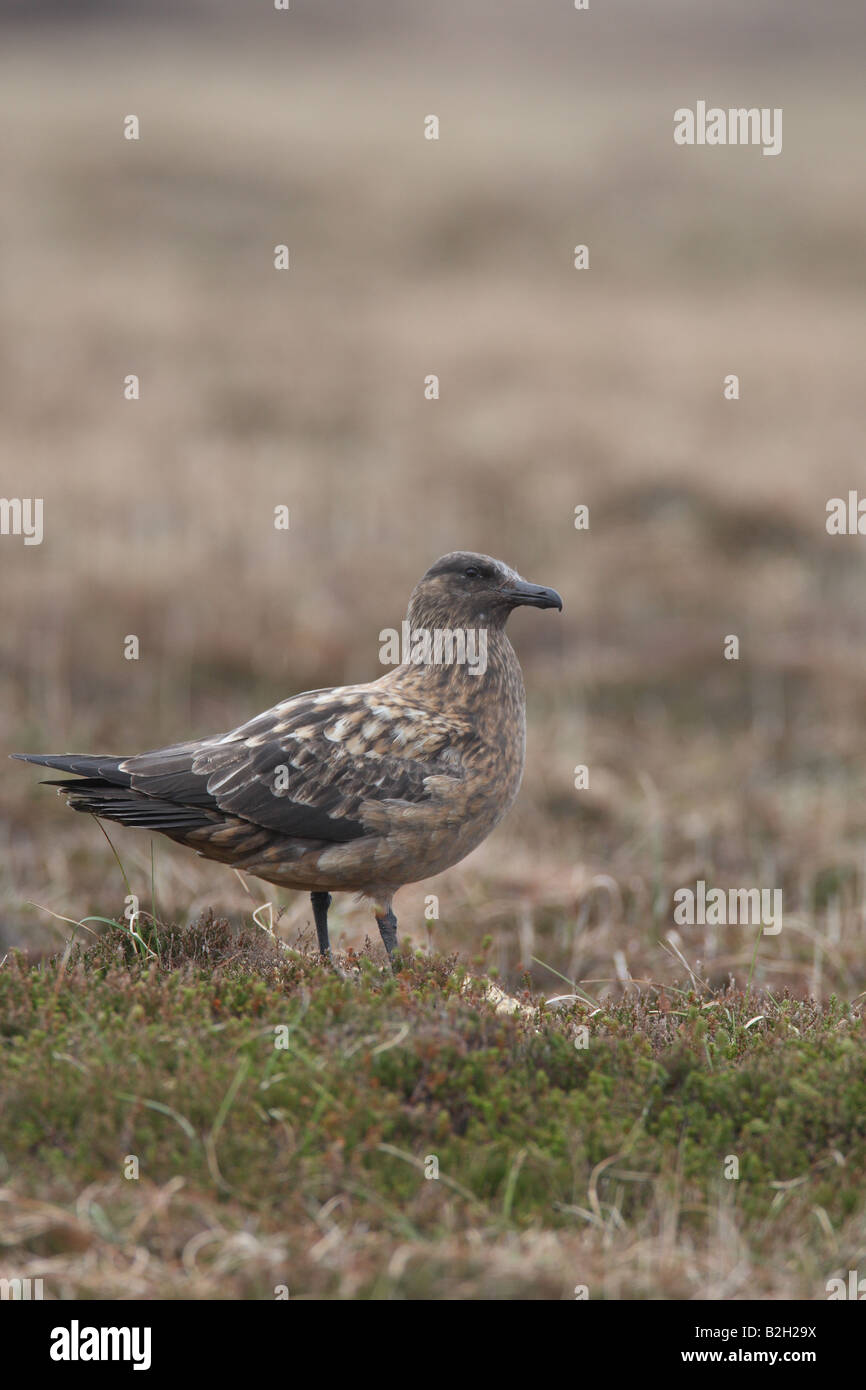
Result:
x=602 y=387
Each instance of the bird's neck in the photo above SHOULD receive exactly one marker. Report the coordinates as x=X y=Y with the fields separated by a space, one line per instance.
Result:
x=466 y=669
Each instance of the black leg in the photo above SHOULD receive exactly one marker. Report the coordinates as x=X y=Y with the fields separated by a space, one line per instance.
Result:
x=388 y=928
x=321 y=902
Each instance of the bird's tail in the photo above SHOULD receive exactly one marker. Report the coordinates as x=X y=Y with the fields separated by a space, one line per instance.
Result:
x=102 y=788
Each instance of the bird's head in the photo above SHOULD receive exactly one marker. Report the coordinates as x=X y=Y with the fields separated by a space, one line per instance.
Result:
x=468 y=590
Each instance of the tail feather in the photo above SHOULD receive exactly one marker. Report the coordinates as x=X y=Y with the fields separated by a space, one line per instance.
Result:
x=103 y=790
x=132 y=808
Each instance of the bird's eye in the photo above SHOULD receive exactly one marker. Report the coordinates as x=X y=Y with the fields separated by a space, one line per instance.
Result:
x=472 y=572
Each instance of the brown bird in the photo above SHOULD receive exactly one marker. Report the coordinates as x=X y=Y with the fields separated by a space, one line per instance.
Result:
x=360 y=787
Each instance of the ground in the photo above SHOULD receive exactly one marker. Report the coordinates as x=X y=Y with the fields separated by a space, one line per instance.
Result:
x=205 y=1114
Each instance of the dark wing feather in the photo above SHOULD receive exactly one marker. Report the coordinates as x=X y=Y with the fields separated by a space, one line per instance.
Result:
x=102 y=766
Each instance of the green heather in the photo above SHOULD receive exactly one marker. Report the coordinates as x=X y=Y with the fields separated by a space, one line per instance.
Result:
x=304 y=1164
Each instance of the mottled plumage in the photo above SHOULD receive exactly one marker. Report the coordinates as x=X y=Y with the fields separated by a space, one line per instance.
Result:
x=360 y=787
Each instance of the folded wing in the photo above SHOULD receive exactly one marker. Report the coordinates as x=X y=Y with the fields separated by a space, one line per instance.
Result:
x=304 y=769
